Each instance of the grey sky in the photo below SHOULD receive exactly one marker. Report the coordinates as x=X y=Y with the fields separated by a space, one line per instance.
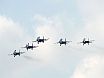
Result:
x=22 y=21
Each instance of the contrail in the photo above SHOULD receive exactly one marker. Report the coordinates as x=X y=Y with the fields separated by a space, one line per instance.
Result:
x=92 y=49
x=99 y=48
x=32 y=59
x=80 y=49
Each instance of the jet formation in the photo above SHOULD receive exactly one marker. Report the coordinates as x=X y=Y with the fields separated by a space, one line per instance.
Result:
x=39 y=40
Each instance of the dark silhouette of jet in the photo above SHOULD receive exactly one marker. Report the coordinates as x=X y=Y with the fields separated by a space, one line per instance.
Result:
x=16 y=53
x=86 y=41
x=63 y=42
x=29 y=47
x=38 y=40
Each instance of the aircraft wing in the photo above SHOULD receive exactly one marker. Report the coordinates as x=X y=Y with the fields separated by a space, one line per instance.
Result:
x=22 y=52
x=10 y=54
x=79 y=42
x=84 y=39
x=92 y=40
x=34 y=41
x=36 y=46
x=68 y=41
x=46 y=39
x=56 y=43
x=23 y=47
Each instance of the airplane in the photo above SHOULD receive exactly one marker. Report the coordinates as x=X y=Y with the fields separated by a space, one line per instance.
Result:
x=86 y=41
x=38 y=40
x=16 y=53
x=29 y=47
x=63 y=42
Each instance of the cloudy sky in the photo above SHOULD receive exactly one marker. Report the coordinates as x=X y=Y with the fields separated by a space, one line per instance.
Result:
x=22 y=21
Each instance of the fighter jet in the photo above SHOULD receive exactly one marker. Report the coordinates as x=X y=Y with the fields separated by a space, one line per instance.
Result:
x=29 y=47
x=86 y=41
x=16 y=53
x=63 y=42
x=38 y=40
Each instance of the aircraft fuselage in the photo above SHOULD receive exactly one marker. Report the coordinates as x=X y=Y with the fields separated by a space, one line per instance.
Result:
x=15 y=54
x=86 y=42
x=62 y=42
x=29 y=47
x=40 y=40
